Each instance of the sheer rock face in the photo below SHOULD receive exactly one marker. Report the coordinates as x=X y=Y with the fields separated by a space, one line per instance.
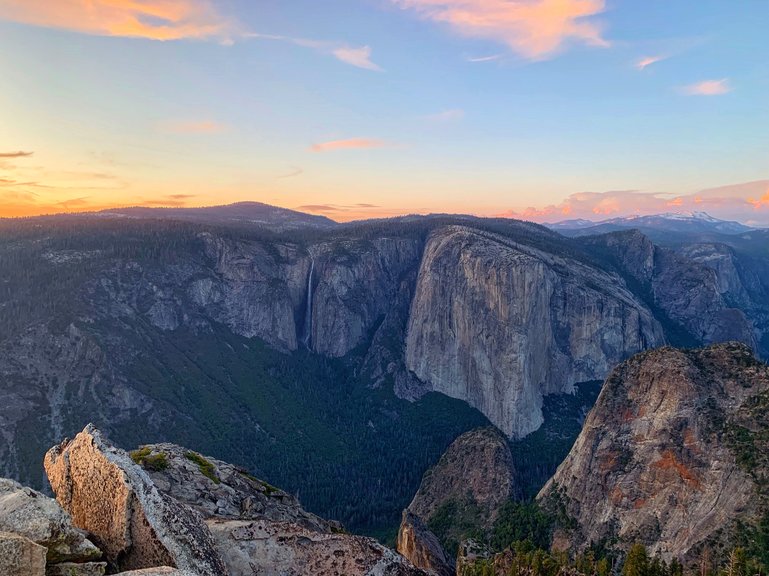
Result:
x=500 y=324
x=421 y=547
x=30 y=514
x=20 y=556
x=133 y=523
x=356 y=286
x=654 y=463
x=277 y=548
x=226 y=492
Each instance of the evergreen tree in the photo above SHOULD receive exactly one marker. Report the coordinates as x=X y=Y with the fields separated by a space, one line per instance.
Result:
x=637 y=562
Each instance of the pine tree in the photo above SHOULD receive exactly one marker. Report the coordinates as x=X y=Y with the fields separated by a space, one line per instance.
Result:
x=737 y=563
x=637 y=562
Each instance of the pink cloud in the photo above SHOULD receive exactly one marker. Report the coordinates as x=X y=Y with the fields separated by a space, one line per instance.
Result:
x=648 y=61
x=349 y=144
x=152 y=19
x=708 y=88
x=745 y=202
x=535 y=29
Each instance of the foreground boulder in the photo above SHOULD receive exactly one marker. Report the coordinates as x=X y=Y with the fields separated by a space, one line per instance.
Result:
x=135 y=524
x=673 y=455
x=30 y=514
x=19 y=556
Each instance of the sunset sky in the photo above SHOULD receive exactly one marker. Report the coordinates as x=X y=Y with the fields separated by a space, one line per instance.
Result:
x=544 y=109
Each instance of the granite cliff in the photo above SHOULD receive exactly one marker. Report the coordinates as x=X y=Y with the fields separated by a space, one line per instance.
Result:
x=500 y=324
x=671 y=456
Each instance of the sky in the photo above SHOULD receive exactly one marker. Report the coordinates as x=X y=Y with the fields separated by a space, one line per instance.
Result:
x=539 y=109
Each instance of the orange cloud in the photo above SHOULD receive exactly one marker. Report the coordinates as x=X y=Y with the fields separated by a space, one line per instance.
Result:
x=18 y=154
x=153 y=19
x=192 y=127
x=534 y=29
x=350 y=144
x=708 y=88
x=761 y=202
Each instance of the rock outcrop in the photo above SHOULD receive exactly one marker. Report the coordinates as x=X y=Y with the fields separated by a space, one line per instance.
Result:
x=218 y=489
x=29 y=513
x=499 y=324
x=466 y=488
x=662 y=457
x=19 y=556
x=276 y=548
x=163 y=507
x=135 y=524
x=417 y=543
x=476 y=469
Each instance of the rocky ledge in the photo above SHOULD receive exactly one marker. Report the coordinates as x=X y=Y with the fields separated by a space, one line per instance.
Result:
x=163 y=510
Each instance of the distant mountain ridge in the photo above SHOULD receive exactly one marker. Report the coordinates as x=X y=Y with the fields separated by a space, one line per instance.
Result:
x=689 y=222
x=244 y=213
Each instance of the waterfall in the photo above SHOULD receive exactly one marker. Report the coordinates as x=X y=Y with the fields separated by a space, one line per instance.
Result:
x=308 y=313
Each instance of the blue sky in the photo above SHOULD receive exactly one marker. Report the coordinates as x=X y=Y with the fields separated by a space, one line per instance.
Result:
x=359 y=108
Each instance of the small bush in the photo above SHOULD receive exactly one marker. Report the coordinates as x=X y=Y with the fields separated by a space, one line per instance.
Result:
x=153 y=462
x=206 y=468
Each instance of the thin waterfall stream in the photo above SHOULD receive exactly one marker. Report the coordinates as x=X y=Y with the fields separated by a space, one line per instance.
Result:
x=308 y=313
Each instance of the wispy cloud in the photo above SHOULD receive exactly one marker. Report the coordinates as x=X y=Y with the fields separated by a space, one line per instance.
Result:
x=293 y=172
x=192 y=127
x=18 y=154
x=708 y=88
x=489 y=58
x=647 y=61
x=359 y=57
x=446 y=116
x=152 y=19
x=160 y=20
x=349 y=144
x=534 y=29
x=319 y=208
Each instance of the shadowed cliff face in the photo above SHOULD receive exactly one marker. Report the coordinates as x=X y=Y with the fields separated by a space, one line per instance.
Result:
x=661 y=459
x=703 y=292
x=499 y=324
